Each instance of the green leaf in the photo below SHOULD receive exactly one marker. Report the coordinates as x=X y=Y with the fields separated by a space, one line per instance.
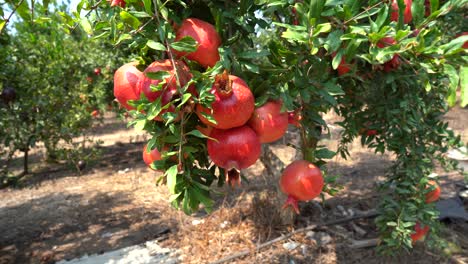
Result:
x=324 y=153
x=252 y=54
x=197 y=133
x=454 y=79
x=148 y=9
x=464 y=86
x=171 y=178
x=315 y=9
x=322 y=28
x=130 y=19
x=159 y=75
x=186 y=44
x=185 y=98
x=123 y=37
x=2 y=24
x=155 y=45
x=84 y=22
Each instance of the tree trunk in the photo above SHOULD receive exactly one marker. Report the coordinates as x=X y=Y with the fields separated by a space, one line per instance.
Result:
x=274 y=166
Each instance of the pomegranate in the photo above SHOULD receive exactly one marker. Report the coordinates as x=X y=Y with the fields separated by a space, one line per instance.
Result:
x=301 y=181
x=120 y=3
x=269 y=122
x=234 y=149
x=170 y=88
x=465 y=45
x=294 y=118
x=95 y=113
x=150 y=157
x=394 y=62
x=343 y=67
x=433 y=195
x=407 y=15
x=234 y=103
x=419 y=232
x=8 y=95
x=97 y=71
x=127 y=82
x=371 y=132
x=207 y=38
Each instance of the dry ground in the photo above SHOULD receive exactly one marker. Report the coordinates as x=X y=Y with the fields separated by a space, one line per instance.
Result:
x=57 y=214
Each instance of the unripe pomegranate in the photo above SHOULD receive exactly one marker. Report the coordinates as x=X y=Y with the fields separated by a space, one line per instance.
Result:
x=234 y=103
x=207 y=38
x=433 y=195
x=301 y=181
x=407 y=15
x=269 y=122
x=150 y=157
x=419 y=232
x=234 y=149
x=127 y=84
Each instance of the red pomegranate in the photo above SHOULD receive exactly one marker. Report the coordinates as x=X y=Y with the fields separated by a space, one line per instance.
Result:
x=419 y=232
x=465 y=45
x=343 y=67
x=394 y=62
x=269 y=122
x=97 y=71
x=170 y=87
x=301 y=181
x=234 y=149
x=407 y=15
x=433 y=195
x=294 y=118
x=120 y=3
x=127 y=82
x=207 y=38
x=150 y=157
x=234 y=103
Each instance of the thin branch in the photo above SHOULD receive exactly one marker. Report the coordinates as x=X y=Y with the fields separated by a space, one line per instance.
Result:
x=9 y=17
x=365 y=11
x=368 y=214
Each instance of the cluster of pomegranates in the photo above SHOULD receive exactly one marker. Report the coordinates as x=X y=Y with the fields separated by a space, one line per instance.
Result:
x=432 y=196
x=236 y=129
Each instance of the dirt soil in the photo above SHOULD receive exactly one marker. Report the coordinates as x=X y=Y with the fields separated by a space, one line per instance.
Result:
x=56 y=214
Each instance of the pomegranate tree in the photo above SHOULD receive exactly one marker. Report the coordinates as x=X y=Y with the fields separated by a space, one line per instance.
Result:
x=257 y=67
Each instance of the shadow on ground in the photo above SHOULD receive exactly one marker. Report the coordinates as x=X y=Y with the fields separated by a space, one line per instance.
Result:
x=63 y=226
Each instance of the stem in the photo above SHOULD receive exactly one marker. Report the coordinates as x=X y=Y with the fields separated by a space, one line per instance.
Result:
x=9 y=17
x=367 y=10
x=25 y=161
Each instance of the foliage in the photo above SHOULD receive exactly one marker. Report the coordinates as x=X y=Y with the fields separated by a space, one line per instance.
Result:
x=56 y=87
x=290 y=50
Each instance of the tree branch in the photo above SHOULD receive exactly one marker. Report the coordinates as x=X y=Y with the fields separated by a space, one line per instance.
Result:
x=9 y=17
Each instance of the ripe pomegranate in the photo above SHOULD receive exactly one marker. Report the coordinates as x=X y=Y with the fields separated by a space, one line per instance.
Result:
x=150 y=157
x=234 y=103
x=127 y=84
x=301 y=181
x=170 y=88
x=433 y=195
x=120 y=3
x=269 y=122
x=234 y=149
x=371 y=132
x=97 y=71
x=419 y=232
x=207 y=38
x=95 y=113
x=407 y=15
x=393 y=63
x=294 y=118
x=465 y=45
x=343 y=67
